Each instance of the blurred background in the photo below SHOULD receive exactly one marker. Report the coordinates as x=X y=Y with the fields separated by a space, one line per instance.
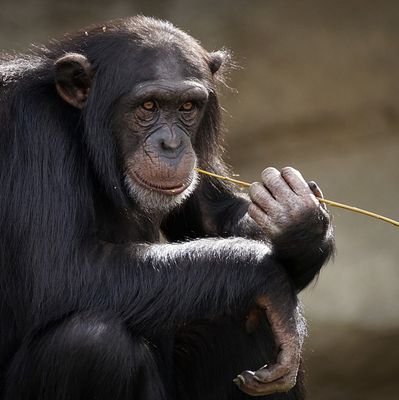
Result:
x=317 y=89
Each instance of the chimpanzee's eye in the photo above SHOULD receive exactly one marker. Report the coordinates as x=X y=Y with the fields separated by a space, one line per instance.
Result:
x=149 y=105
x=187 y=106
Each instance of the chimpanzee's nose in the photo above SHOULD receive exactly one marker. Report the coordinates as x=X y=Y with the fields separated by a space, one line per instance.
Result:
x=170 y=142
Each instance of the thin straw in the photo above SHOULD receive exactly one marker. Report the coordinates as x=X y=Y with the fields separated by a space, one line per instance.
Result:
x=326 y=201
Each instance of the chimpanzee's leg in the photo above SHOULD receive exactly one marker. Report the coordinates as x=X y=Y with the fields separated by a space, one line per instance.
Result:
x=84 y=357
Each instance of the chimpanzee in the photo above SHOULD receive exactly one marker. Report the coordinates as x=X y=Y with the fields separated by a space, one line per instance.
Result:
x=100 y=135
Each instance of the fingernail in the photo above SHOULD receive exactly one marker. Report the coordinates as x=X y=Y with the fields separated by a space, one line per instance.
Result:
x=264 y=367
x=312 y=185
x=240 y=380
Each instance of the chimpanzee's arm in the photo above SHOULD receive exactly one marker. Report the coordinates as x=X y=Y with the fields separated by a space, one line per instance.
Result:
x=156 y=287
x=162 y=285
x=282 y=211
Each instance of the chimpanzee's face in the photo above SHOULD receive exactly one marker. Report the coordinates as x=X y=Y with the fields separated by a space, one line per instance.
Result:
x=155 y=126
x=155 y=121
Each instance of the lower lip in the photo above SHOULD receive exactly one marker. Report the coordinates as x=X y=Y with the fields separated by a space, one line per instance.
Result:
x=168 y=191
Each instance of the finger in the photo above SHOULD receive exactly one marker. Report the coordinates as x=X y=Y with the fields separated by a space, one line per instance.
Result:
x=280 y=386
x=272 y=373
x=296 y=181
x=262 y=219
x=314 y=187
x=262 y=197
x=246 y=382
x=275 y=183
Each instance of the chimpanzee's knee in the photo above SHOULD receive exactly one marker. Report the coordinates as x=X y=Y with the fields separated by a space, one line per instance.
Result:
x=93 y=337
x=87 y=356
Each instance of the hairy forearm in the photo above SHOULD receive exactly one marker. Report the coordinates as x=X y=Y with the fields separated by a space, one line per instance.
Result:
x=159 y=286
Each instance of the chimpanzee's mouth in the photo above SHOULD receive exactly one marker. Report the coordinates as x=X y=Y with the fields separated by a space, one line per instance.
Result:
x=170 y=190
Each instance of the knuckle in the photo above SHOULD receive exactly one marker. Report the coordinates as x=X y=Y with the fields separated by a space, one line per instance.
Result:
x=273 y=183
x=269 y=172
x=258 y=197
x=286 y=169
x=255 y=188
x=289 y=170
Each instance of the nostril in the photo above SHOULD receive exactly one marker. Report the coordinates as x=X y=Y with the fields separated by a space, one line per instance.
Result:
x=170 y=144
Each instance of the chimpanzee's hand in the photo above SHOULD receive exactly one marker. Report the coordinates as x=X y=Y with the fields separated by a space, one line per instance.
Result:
x=285 y=206
x=289 y=332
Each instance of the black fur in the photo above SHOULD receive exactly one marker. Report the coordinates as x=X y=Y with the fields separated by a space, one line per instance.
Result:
x=91 y=307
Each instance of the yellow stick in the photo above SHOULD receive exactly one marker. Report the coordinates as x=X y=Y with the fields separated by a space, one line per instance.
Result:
x=326 y=201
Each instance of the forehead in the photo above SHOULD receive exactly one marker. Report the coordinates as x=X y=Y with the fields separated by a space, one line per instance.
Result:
x=170 y=68
x=168 y=64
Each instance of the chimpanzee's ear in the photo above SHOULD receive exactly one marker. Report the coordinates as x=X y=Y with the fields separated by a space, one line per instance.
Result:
x=73 y=75
x=216 y=59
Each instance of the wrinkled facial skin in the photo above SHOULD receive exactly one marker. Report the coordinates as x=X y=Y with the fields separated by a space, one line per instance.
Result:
x=156 y=125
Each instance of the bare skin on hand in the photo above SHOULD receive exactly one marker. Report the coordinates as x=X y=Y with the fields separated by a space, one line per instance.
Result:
x=288 y=336
x=283 y=199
